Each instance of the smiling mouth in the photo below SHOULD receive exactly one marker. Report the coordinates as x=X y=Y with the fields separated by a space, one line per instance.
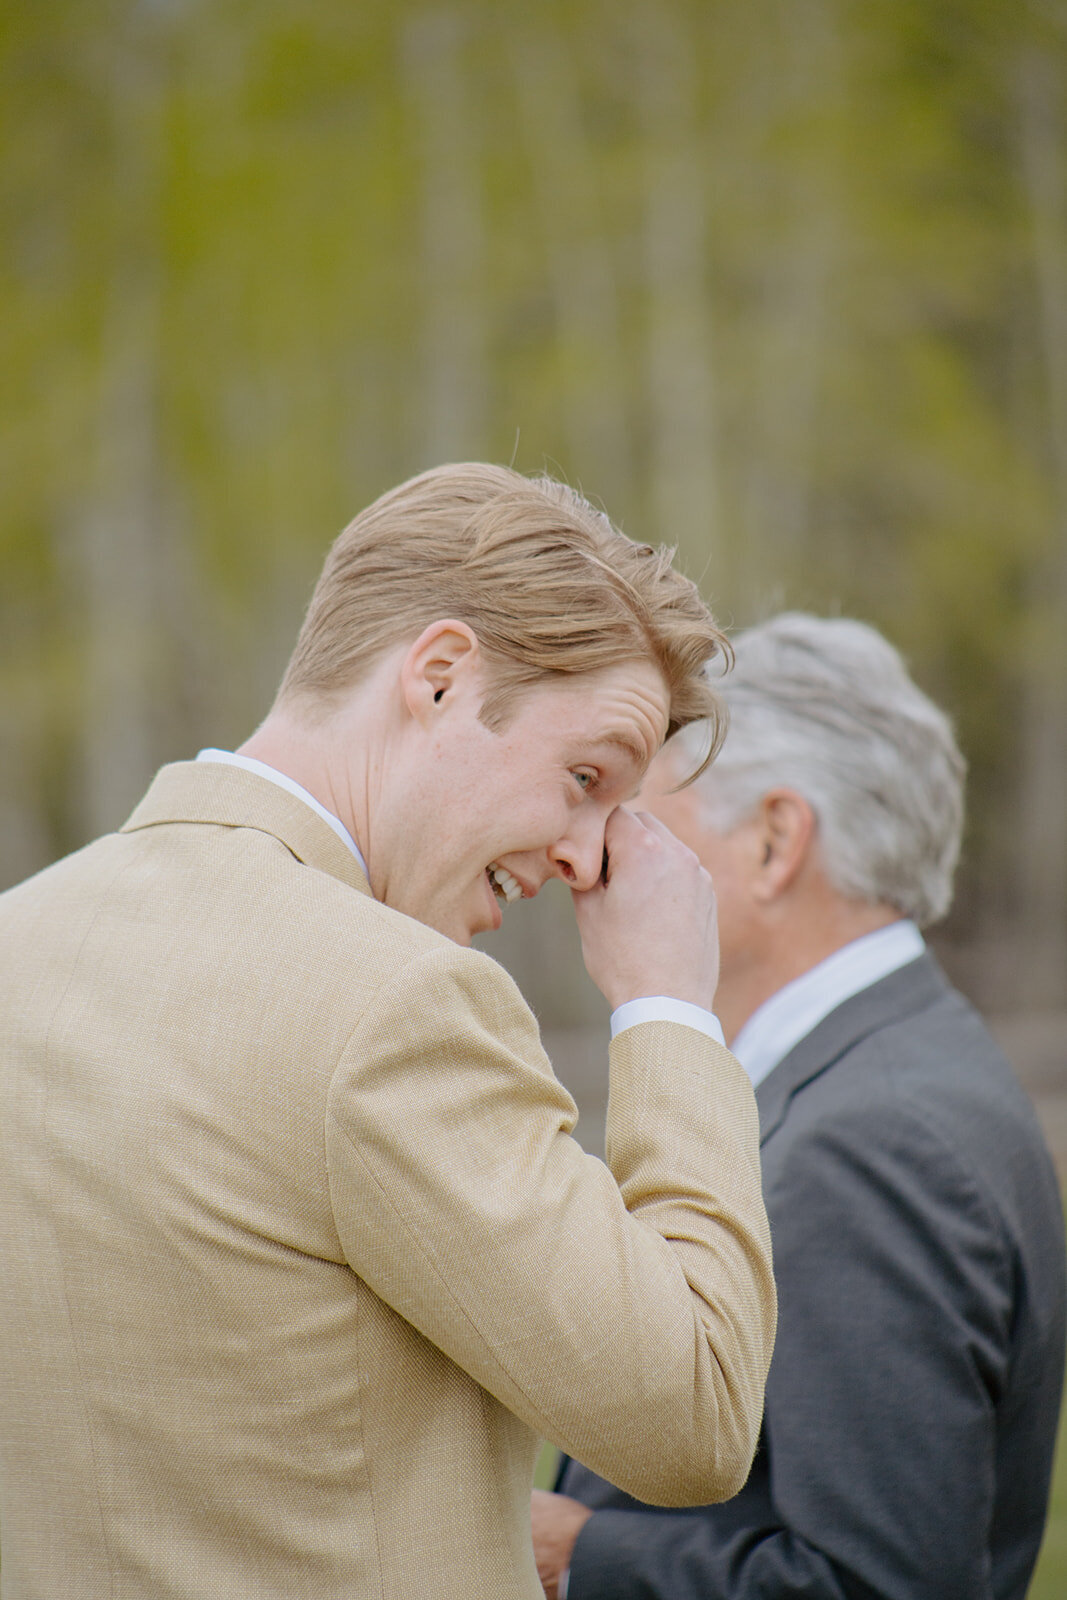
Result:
x=504 y=886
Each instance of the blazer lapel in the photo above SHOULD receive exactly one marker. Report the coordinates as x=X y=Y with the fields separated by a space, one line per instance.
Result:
x=232 y=797
x=911 y=988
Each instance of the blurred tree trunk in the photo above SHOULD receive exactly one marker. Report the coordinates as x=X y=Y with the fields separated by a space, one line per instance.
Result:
x=114 y=535
x=683 y=476
x=1043 y=771
x=577 y=242
x=453 y=401
x=24 y=842
x=792 y=345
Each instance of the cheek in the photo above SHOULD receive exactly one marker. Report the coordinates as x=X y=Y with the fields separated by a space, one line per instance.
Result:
x=729 y=905
x=742 y=936
x=524 y=789
x=535 y=826
x=729 y=893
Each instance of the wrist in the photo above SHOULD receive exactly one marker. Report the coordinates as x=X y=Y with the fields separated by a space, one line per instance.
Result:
x=665 y=1008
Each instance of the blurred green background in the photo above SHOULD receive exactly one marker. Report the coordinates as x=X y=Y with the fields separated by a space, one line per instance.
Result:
x=782 y=282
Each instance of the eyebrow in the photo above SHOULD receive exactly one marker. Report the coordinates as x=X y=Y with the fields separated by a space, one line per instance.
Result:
x=636 y=751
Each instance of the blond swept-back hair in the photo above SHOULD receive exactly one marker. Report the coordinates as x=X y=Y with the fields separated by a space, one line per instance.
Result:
x=542 y=577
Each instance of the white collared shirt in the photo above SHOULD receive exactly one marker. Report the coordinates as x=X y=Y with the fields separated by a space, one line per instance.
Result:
x=653 y=1008
x=790 y=1015
x=227 y=758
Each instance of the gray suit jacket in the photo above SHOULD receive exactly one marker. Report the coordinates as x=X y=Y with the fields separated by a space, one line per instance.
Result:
x=913 y=1395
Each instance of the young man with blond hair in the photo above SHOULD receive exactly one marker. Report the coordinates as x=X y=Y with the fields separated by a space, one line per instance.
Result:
x=300 y=1258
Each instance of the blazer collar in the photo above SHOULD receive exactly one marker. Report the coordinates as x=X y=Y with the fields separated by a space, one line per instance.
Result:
x=232 y=797
x=910 y=989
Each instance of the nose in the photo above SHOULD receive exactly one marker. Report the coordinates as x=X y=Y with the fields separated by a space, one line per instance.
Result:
x=578 y=857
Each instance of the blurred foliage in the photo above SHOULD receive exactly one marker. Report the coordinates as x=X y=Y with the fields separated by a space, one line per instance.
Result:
x=779 y=283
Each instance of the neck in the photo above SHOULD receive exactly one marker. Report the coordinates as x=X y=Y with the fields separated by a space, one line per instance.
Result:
x=331 y=756
x=795 y=941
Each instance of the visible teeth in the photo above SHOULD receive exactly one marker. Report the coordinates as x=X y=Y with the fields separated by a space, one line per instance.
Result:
x=504 y=884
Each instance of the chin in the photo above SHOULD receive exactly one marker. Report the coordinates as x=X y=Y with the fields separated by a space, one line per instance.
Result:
x=453 y=927
x=457 y=918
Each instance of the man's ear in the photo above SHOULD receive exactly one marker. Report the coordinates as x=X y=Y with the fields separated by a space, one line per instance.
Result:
x=443 y=664
x=787 y=832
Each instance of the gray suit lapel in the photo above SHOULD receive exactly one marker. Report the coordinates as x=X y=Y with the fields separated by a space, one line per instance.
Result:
x=902 y=993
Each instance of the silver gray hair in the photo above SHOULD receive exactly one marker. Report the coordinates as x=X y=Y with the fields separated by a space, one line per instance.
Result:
x=825 y=706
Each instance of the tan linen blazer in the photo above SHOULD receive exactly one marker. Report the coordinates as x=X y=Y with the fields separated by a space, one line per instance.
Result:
x=299 y=1257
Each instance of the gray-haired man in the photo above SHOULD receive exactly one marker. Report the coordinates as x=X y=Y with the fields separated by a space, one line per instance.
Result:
x=915 y=1215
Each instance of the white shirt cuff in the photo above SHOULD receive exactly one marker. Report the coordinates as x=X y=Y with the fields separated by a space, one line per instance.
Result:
x=661 y=1008
x=564 y=1584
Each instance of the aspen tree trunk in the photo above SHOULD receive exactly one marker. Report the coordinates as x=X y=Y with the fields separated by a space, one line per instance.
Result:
x=1043 y=766
x=115 y=535
x=540 y=944
x=24 y=843
x=575 y=235
x=683 y=477
x=794 y=343
x=451 y=411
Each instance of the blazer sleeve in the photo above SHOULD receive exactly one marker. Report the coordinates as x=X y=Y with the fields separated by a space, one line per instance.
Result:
x=625 y=1314
x=875 y=1474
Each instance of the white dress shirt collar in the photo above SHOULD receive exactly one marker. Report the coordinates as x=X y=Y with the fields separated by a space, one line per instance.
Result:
x=227 y=758
x=790 y=1015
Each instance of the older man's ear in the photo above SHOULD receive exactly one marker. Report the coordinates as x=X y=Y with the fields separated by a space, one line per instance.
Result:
x=784 y=834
